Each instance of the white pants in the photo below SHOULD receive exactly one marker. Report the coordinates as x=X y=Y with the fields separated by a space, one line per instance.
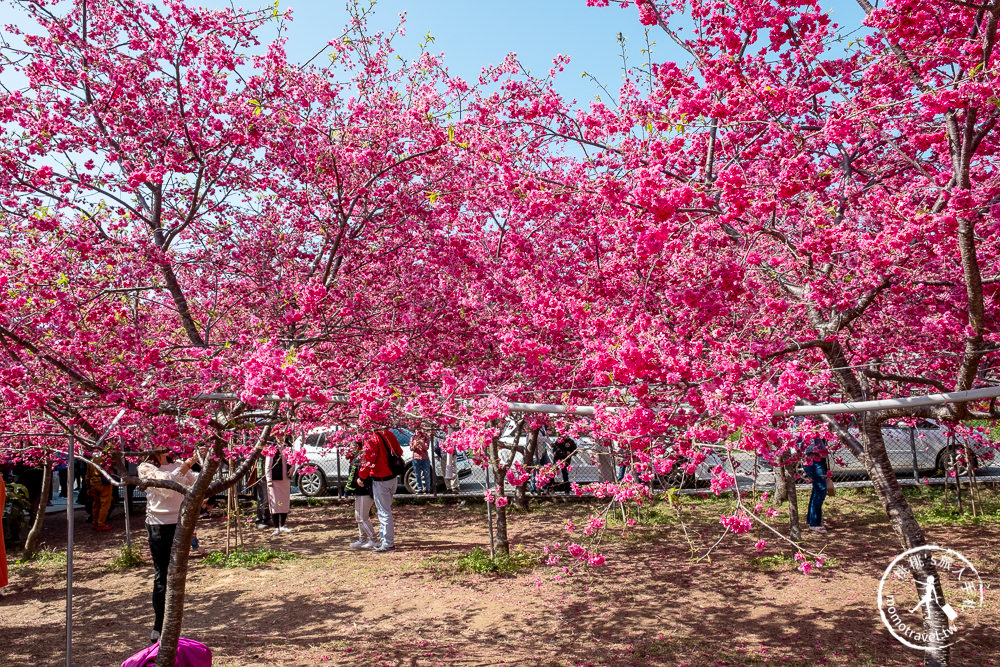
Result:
x=450 y=471
x=383 y=504
x=362 y=514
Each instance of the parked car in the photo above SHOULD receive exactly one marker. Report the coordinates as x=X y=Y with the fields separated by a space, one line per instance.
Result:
x=586 y=466
x=927 y=440
x=509 y=448
x=332 y=466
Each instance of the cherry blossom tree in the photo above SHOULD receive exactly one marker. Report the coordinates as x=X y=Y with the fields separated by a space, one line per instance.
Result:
x=801 y=213
x=202 y=240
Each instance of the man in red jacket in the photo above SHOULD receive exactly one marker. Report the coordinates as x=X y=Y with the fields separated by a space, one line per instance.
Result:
x=376 y=472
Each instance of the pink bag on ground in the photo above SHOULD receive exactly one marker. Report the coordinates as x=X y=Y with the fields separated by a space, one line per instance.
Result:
x=189 y=654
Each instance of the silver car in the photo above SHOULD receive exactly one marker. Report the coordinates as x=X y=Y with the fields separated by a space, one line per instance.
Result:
x=332 y=466
x=927 y=442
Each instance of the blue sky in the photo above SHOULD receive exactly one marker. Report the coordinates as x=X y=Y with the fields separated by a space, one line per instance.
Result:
x=473 y=34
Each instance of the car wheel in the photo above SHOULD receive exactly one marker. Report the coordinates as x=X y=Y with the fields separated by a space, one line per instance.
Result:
x=947 y=457
x=678 y=479
x=410 y=479
x=313 y=484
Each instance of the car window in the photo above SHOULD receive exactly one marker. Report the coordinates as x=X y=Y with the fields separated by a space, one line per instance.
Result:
x=402 y=436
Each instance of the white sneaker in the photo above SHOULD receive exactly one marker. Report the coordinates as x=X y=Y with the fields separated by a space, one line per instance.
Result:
x=285 y=529
x=154 y=637
x=277 y=531
x=360 y=544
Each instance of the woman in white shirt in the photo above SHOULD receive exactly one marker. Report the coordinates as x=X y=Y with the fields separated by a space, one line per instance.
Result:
x=162 y=507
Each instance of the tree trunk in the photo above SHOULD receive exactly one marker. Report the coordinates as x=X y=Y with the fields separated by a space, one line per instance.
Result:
x=31 y=543
x=780 y=485
x=907 y=530
x=876 y=461
x=794 y=527
x=502 y=544
x=521 y=492
x=177 y=573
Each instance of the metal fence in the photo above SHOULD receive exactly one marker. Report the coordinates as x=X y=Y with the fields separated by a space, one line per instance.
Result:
x=924 y=454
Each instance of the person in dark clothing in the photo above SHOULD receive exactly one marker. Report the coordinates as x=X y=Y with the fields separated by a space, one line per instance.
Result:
x=562 y=450
x=815 y=466
x=31 y=478
x=260 y=493
x=60 y=469
x=363 y=501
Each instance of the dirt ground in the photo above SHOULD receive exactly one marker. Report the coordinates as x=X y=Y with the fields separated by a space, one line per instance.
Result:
x=649 y=605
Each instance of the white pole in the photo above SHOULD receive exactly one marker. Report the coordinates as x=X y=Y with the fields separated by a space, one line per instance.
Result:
x=577 y=411
x=802 y=410
x=890 y=403
x=489 y=514
x=70 y=507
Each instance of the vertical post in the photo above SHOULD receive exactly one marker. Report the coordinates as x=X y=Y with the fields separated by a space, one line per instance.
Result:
x=340 y=480
x=127 y=501
x=953 y=457
x=128 y=511
x=434 y=486
x=70 y=507
x=913 y=452
x=794 y=528
x=489 y=516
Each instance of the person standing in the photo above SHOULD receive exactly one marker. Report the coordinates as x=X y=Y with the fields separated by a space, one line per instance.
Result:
x=541 y=460
x=279 y=490
x=562 y=450
x=363 y=502
x=376 y=471
x=162 y=508
x=100 y=491
x=815 y=466
x=62 y=474
x=451 y=482
x=420 y=449
x=260 y=494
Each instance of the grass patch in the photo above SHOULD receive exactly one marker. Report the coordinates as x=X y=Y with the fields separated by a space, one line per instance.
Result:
x=308 y=501
x=937 y=506
x=861 y=492
x=943 y=513
x=128 y=557
x=773 y=563
x=479 y=562
x=46 y=556
x=247 y=557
